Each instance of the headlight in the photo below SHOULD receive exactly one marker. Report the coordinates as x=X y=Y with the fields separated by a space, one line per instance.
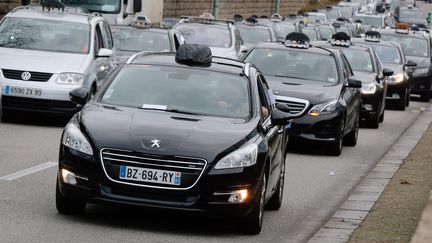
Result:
x=74 y=139
x=70 y=78
x=325 y=108
x=242 y=157
x=395 y=79
x=368 y=88
x=421 y=71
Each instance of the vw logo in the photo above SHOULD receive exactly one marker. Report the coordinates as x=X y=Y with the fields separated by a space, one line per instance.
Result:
x=25 y=76
x=155 y=143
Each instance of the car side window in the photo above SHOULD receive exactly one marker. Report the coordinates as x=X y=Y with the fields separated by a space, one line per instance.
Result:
x=348 y=73
x=106 y=34
x=98 y=40
x=265 y=99
x=238 y=40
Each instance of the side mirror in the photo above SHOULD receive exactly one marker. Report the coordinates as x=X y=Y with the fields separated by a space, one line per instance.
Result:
x=243 y=49
x=280 y=118
x=79 y=96
x=137 y=6
x=354 y=83
x=410 y=64
x=387 y=72
x=104 y=52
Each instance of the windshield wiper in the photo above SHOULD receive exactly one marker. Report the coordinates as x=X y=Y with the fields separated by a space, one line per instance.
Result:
x=156 y=108
x=282 y=76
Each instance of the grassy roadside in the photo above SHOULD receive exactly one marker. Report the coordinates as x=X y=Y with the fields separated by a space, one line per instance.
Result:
x=395 y=215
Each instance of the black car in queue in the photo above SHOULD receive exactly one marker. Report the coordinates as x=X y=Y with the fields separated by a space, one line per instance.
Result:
x=391 y=56
x=180 y=131
x=252 y=33
x=417 y=48
x=369 y=70
x=317 y=84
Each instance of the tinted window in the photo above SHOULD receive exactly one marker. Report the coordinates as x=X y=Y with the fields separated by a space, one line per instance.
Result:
x=388 y=54
x=182 y=89
x=375 y=22
x=325 y=32
x=254 y=35
x=294 y=64
x=311 y=33
x=44 y=35
x=410 y=14
x=135 y=40
x=359 y=60
x=283 y=29
x=203 y=34
x=411 y=46
x=101 y=6
x=332 y=14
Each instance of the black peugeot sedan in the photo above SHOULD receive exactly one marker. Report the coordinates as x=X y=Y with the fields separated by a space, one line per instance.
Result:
x=369 y=70
x=317 y=84
x=177 y=131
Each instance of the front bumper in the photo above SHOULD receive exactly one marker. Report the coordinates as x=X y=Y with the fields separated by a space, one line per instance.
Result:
x=321 y=128
x=54 y=98
x=395 y=92
x=420 y=84
x=93 y=186
x=370 y=105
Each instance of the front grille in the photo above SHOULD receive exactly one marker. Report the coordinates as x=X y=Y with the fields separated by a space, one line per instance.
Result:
x=297 y=106
x=30 y=104
x=35 y=76
x=190 y=168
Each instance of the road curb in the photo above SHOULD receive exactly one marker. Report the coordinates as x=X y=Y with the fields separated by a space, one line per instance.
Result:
x=354 y=210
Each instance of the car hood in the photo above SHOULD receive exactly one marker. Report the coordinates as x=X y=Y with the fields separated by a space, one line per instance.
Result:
x=314 y=92
x=41 y=61
x=181 y=135
x=422 y=62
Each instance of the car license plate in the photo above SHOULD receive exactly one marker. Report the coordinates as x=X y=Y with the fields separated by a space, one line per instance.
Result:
x=150 y=175
x=11 y=90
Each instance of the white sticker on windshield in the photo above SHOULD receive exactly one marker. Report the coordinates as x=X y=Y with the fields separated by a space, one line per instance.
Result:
x=154 y=107
x=108 y=8
x=331 y=80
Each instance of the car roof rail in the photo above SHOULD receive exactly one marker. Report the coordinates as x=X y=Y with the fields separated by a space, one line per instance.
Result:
x=137 y=55
x=202 y=20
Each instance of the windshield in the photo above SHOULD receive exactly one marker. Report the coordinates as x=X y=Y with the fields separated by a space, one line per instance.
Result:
x=345 y=30
x=314 y=17
x=203 y=34
x=283 y=29
x=411 y=14
x=325 y=32
x=101 y=6
x=136 y=40
x=411 y=46
x=359 y=60
x=374 y=22
x=44 y=35
x=311 y=33
x=388 y=54
x=346 y=12
x=332 y=14
x=254 y=35
x=292 y=63
x=183 y=90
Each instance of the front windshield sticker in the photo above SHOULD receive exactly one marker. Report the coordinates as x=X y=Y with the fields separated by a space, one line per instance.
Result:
x=154 y=107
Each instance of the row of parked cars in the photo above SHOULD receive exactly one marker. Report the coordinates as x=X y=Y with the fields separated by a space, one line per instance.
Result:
x=198 y=117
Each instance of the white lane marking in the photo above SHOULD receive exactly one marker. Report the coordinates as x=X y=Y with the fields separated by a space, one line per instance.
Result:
x=28 y=171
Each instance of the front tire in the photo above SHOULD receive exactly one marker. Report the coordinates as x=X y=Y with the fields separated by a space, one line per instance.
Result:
x=252 y=223
x=352 y=137
x=335 y=148
x=68 y=206
x=373 y=122
x=425 y=96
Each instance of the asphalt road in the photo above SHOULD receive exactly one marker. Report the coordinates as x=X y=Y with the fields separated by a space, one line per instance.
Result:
x=312 y=192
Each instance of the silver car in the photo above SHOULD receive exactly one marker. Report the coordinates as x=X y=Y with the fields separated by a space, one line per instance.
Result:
x=46 y=54
x=221 y=36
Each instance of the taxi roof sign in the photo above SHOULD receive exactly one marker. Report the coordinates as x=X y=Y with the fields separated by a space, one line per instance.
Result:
x=402 y=28
x=51 y=4
x=372 y=36
x=297 y=40
x=340 y=39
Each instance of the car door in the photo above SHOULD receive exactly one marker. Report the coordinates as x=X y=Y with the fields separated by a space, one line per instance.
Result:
x=382 y=81
x=274 y=135
x=348 y=95
x=103 y=39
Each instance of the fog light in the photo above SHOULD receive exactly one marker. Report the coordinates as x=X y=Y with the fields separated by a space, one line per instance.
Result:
x=238 y=196
x=68 y=177
x=368 y=107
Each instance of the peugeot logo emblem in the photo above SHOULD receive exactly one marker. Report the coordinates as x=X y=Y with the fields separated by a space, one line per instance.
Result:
x=25 y=76
x=155 y=143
